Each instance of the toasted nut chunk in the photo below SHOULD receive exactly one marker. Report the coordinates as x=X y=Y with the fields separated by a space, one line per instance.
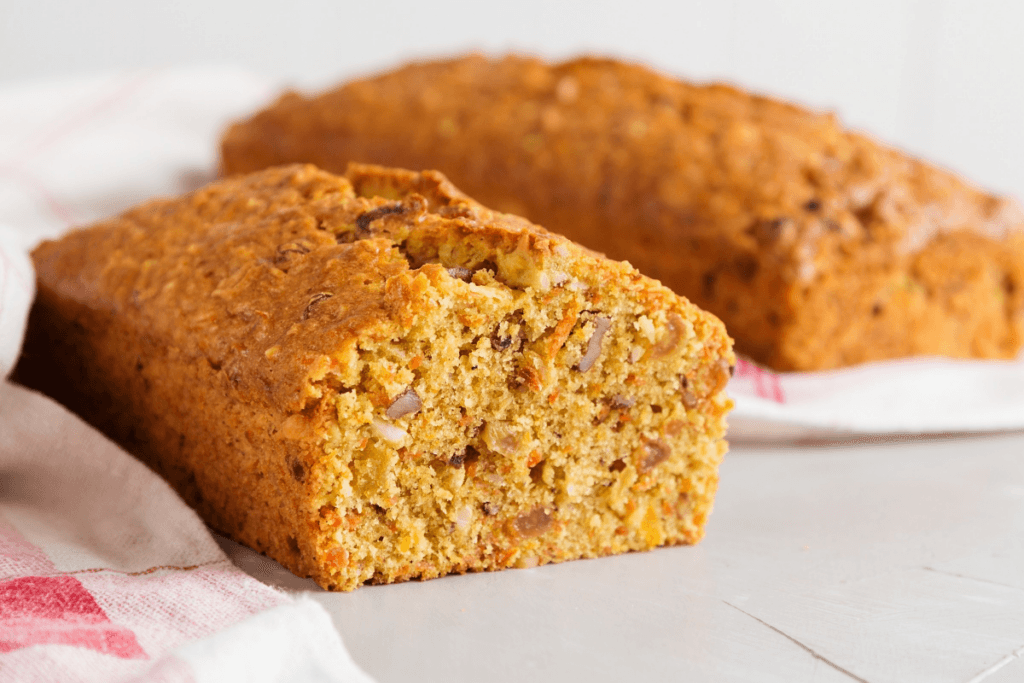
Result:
x=406 y=403
x=652 y=454
x=465 y=456
x=675 y=427
x=619 y=402
x=463 y=518
x=525 y=378
x=390 y=433
x=533 y=523
x=363 y=221
x=671 y=340
x=292 y=248
x=314 y=300
x=503 y=438
x=460 y=273
x=601 y=326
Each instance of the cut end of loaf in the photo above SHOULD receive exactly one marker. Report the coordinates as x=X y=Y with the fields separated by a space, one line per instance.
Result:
x=535 y=404
x=372 y=378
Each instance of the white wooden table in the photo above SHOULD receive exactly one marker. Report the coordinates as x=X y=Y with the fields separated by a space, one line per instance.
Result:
x=872 y=562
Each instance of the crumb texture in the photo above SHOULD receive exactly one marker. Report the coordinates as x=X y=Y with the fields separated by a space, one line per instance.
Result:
x=373 y=378
x=817 y=246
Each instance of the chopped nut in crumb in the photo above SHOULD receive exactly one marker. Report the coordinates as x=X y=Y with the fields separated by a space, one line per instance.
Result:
x=406 y=403
x=313 y=301
x=463 y=517
x=652 y=454
x=533 y=523
x=618 y=402
x=502 y=438
x=601 y=327
x=460 y=273
x=671 y=340
x=390 y=433
x=364 y=220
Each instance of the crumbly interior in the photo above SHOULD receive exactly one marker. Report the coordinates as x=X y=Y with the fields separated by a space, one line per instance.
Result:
x=517 y=425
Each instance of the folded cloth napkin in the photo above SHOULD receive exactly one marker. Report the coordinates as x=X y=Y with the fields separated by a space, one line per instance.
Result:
x=105 y=574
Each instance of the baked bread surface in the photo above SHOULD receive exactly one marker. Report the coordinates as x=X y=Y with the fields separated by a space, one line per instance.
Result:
x=817 y=246
x=373 y=378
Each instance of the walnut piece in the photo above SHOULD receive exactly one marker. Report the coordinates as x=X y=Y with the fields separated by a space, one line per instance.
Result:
x=390 y=433
x=406 y=403
x=533 y=523
x=652 y=454
x=461 y=273
x=671 y=340
x=601 y=327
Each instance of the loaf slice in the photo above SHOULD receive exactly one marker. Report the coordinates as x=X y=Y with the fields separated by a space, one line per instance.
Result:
x=373 y=378
x=817 y=247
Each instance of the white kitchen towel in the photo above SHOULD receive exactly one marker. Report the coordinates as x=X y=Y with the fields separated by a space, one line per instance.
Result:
x=105 y=573
x=17 y=287
x=908 y=396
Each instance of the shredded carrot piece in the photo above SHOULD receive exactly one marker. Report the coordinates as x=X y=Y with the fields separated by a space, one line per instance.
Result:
x=535 y=458
x=561 y=332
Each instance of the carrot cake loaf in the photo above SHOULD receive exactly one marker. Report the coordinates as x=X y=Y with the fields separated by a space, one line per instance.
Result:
x=373 y=378
x=818 y=247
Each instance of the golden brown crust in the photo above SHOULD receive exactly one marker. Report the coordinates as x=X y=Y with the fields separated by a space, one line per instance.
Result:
x=251 y=342
x=815 y=245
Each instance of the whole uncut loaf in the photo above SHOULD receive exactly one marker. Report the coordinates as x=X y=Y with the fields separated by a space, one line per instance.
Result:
x=816 y=246
x=373 y=378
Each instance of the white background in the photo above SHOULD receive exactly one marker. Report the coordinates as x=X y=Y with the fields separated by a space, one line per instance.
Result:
x=942 y=78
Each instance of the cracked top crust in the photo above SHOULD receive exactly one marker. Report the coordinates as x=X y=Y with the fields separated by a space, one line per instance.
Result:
x=274 y=276
x=703 y=157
